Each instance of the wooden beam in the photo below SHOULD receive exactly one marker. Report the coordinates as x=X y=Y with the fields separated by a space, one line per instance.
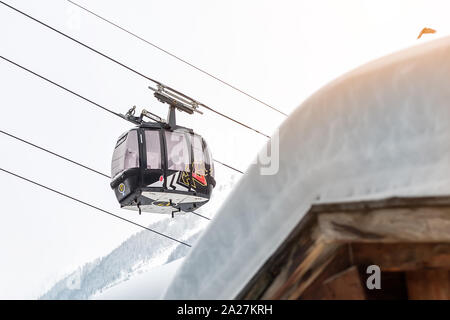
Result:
x=310 y=249
x=297 y=285
x=387 y=203
x=345 y=285
x=422 y=224
x=394 y=257
x=315 y=289
x=288 y=283
x=428 y=284
x=300 y=244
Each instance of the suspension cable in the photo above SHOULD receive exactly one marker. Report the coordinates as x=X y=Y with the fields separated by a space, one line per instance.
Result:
x=54 y=154
x=62 y=87
x=125 y=66
x=226 y=165
x=177 y=57
x=88 y=100
x=69 y=160
x=93 y=207
x=198 y=214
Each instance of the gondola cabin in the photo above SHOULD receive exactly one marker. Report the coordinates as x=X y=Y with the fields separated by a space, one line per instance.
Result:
x=161 y=167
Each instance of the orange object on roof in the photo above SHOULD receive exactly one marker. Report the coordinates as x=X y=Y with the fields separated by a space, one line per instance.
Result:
x=426 y=30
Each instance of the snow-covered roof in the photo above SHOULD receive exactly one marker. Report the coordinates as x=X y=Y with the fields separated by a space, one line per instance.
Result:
x=381 y=130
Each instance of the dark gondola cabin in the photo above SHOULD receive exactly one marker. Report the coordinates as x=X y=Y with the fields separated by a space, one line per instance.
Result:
x=160 y=167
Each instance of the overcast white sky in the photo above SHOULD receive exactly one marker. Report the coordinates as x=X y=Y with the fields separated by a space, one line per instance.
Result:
x=279 y=51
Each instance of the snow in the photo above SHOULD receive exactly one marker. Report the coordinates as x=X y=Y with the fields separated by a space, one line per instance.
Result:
x=381 y=130
x=142 y=252
x=139 y=254
x=148 y=285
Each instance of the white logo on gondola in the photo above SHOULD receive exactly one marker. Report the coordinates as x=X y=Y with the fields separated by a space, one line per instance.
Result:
x=158 y=183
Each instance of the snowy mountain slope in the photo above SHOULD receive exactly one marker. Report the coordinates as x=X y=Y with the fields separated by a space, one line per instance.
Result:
x=381 y=130
x=143 y=251
x=139 y=253
x=148 y=285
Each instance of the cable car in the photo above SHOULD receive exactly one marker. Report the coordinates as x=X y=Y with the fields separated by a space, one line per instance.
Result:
x=161 y=167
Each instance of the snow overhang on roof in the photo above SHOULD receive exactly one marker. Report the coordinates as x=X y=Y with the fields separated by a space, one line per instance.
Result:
x=381 y=130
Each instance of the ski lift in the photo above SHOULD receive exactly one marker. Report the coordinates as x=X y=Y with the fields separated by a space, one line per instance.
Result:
x=161 y=167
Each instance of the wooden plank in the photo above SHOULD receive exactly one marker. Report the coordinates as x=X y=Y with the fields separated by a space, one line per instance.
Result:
x=306 y=273
x=387 y=203
x=275 y=272
x=315 y=290
x=308 y=250
x=424 y=224
x=428 y=284
x=394 y=257
x=281 y=289
x=345 y=285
